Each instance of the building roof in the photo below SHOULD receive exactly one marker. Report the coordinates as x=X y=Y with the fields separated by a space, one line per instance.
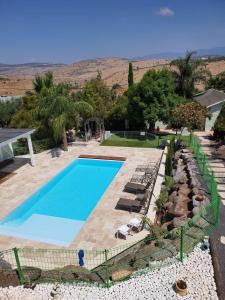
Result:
x=9 y=135
x=210 y=97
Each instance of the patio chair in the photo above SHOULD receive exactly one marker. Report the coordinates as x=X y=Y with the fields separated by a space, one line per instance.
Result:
x=128 y=204
x=135 y=224
x=123 y=230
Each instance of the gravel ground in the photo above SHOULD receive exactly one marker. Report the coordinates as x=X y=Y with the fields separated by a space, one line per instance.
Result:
x=197 y=271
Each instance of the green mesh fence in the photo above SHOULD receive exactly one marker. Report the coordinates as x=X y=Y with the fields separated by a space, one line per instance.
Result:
x=108 y=266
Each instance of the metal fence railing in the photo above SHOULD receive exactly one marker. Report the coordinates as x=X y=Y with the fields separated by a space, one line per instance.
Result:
x=108 y=266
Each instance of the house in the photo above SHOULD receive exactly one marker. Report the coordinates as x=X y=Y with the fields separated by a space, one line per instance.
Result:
x=213 y=100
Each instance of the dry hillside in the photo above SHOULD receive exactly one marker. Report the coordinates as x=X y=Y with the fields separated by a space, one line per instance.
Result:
x=114 y=70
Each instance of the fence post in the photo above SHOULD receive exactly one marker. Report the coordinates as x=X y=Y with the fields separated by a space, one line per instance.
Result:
x=106 y=268
x=182 y=243
x=19 y=269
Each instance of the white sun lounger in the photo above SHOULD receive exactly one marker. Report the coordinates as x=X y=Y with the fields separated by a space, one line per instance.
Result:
x=135 y=223
x=124 y=230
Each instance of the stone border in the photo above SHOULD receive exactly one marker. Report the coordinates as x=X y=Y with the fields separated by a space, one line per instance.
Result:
x=151 y=214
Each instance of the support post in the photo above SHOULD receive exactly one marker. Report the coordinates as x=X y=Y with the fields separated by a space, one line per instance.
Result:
x=106 y=268
x=31 y=151
x=182 y=243
x=19 y=269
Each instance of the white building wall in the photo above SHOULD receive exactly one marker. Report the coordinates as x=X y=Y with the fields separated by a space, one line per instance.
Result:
x=215 y=110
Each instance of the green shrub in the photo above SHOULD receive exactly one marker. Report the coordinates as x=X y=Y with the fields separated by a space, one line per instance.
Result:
x=161 y=200
x=169 y=183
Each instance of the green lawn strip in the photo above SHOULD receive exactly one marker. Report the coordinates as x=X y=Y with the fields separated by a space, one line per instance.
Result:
x=118 y=141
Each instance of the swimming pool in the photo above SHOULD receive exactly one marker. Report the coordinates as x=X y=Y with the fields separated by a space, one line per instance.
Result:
x=58 y=210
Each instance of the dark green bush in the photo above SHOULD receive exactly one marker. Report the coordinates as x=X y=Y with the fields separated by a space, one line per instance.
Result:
x=21 y=147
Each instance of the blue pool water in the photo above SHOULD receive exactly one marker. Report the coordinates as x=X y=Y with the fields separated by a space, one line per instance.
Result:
x=57 y=211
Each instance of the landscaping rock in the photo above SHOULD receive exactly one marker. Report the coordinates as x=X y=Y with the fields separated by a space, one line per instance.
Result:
x=121 y=274
x=8 y=278
x=31 y=273
x=178 y=221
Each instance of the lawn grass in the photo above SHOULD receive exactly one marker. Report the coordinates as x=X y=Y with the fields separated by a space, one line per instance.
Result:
x=118 y=141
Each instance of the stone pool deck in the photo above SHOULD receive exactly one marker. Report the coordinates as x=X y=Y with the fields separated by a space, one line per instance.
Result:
x=99 y=230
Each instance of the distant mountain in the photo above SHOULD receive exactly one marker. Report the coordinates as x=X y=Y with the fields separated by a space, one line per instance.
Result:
x=213 y=52
x=7 y=68
x=218 y=51
x=161 y=55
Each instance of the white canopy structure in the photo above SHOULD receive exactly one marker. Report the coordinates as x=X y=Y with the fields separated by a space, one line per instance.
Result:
x=9 y=136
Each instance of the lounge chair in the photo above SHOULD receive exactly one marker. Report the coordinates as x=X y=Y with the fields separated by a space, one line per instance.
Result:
x=123 y=230
x=142 y=197
x=143 y=168
x=128 y=204
x=136 y=188
x=144 y=178
x=135 y=224
x=148 y=168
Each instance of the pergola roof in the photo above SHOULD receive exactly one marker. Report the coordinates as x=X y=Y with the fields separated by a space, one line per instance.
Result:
x=9 y=135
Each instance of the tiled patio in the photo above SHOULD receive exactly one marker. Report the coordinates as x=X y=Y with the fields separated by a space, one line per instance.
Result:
x=99 y=230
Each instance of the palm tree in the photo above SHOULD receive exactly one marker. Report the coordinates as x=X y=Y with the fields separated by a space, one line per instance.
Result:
x=41 y=82
x=57 y=108
x=187 y=72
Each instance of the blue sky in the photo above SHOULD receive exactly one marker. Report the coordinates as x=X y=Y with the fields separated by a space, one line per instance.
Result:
x=71 y=30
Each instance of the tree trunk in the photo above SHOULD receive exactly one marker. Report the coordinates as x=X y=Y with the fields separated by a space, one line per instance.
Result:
x=65 y=144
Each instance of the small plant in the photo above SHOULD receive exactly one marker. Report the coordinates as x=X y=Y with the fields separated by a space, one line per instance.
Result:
x=169 y=183
x=154 y=229
x=132 y=261
x=161 y=200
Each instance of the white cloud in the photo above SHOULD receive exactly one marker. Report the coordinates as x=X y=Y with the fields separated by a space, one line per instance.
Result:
x=166 y=12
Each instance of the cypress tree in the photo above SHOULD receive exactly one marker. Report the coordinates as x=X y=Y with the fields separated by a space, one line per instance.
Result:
x=130 y=75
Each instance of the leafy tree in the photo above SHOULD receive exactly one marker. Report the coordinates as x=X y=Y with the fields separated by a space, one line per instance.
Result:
x=130 y=75
x=219 y=126
x=118 y=114
x=7 y=110
x=114 y=91
x=98 y=95
x=152 y=99
x=57 y=109
x=191 y=115
x=24 y=118
x=187 y=72
x=217 y=82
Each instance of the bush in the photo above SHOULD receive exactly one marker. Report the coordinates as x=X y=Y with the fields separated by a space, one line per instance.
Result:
x=21 y=147
x=161 y=200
